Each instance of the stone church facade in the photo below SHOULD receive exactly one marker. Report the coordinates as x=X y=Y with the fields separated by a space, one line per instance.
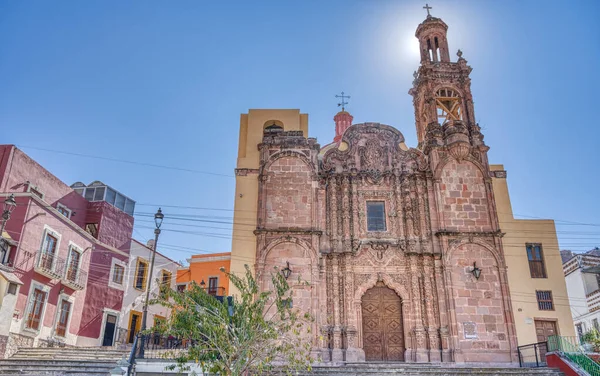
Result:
x=401 y=247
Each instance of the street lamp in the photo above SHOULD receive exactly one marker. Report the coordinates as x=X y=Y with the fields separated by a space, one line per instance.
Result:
x=9 y=205
x=476 y=271
x=158 y=219
x=286 y=271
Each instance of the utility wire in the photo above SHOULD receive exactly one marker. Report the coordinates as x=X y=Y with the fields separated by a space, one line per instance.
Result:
x=125 y=161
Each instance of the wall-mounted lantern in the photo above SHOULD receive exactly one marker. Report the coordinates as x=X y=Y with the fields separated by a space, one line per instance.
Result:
x=476 y=271
x=286 y=271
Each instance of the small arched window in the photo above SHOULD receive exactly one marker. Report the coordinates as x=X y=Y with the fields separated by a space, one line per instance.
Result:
x=448 y=105
x=272 y=127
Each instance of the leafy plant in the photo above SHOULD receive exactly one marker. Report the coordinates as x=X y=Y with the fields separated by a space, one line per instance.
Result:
x=251 y=331
x=592 y=337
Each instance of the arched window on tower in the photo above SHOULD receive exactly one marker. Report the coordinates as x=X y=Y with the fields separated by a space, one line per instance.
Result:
x=437 y=49
x=272 y=127
x=448 y=105
x=429 y=50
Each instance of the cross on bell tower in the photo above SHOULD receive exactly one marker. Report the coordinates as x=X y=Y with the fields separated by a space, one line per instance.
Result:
x=427 y=7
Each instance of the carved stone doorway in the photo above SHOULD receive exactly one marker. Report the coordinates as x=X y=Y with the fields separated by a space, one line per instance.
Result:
x=383 y=334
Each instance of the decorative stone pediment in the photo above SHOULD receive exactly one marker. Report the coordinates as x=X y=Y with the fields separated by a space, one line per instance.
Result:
x=373 y=150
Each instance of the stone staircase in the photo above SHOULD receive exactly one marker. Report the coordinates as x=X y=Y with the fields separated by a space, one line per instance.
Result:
x=408 y=369
x=59 y=361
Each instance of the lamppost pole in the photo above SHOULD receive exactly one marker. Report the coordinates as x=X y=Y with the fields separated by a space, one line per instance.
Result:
x=158 y=218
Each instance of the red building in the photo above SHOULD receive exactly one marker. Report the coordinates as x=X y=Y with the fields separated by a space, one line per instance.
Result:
x=62 y=247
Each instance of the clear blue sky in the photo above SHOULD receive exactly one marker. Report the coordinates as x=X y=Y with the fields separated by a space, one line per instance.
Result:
x=164 y=82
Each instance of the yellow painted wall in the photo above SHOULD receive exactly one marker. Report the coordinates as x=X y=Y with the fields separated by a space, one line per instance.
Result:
x=243 y=248
x=522 y=286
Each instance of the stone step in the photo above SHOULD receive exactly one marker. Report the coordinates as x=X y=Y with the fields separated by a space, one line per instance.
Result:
x=56 y=368
x=426 y=370
x=69 y=354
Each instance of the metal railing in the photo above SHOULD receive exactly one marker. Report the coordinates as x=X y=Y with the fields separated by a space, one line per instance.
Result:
x=215 y=291
x=157 y=346
x=50 y=265
x=131 y=358
x=571 y=348
x=55 y=267
x=532 y=355
x=75 y=277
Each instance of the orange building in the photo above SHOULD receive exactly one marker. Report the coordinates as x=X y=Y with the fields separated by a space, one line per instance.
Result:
x=205 y=271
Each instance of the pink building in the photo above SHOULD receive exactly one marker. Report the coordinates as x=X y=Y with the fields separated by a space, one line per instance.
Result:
x=61 y=277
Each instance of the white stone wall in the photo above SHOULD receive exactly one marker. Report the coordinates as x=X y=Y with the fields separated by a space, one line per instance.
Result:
x=133 y=299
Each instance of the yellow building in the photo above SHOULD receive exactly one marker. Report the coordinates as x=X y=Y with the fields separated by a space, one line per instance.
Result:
x=252 y=126
x=529 y=275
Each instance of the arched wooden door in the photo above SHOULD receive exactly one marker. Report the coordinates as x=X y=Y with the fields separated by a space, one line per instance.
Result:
x=383 y=334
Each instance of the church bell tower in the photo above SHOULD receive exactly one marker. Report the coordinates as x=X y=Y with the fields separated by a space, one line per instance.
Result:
x=441 y=94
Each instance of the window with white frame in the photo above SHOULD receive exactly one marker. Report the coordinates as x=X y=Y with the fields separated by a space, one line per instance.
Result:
x=35 y=191
x=116 y=278
x=62 y=209
x=64 y=314
x=49 y=251
x=73 y=264
x=38 y=295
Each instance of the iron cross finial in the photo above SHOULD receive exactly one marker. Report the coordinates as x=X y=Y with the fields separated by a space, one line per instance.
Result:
x=343 y=103
x=427 y=7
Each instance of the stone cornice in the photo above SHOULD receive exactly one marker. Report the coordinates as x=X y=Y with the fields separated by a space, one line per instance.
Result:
x=287 y=230
x=449 y=233
x=246 y=171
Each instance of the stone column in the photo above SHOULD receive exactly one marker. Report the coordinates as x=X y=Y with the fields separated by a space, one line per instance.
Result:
x=346 y=213
x=431 y=308
x=336 y=355
x=442 y=310
x=333 y=204
x=421 y=353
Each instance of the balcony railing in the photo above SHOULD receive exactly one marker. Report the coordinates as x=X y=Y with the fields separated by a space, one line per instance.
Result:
x=215 y=291
x=74 y=277
x=55 y=267
x=50 y=265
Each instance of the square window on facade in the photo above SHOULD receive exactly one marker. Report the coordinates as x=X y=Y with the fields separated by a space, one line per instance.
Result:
x=99 y=194
x=63 y=318
x=89 y=194
x=376 y=216
x=535 y=255
x=12 y=288
x=544 y=299
x=62 y=209
x=36 y=309
x=92 y=229
x=213 y=285
x=181 y=288
x=118 y=273
x=140 y=274
x=36 y=192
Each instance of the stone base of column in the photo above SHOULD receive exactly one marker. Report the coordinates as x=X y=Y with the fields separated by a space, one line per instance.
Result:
x=435 y=356
x=319 y=355
x=354 y=354
x=422 y=356
x=409 y=356
x=447 y=356
x=337 y=355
